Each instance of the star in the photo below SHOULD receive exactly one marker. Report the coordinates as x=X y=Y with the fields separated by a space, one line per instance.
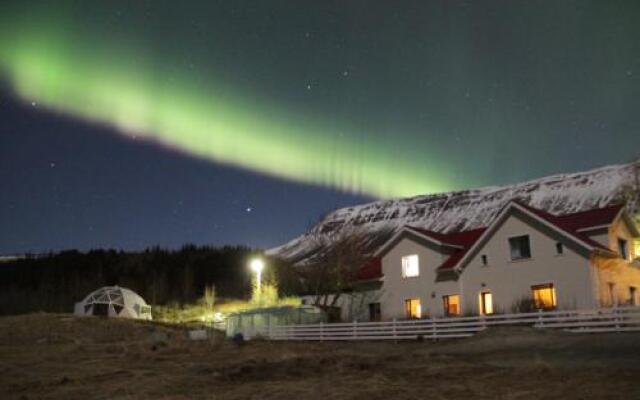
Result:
x=308 y=86
x=249 y=209
x=33 y=104
x=52 y=165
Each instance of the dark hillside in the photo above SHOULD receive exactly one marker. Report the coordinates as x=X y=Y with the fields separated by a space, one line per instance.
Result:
x=54 y=282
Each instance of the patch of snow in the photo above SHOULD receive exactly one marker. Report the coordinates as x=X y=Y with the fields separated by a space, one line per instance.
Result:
x=470 y=209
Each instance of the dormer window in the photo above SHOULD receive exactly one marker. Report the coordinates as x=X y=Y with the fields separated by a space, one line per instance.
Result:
x=520 y=247
x=410 y=266
x=623 y=248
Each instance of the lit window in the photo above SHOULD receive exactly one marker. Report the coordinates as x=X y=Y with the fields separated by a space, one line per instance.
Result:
x=486 y=303
x=559 y=248
x=412 y=308
x=451 y=305
x=520 y=247
x=484 y=260
x=544 y=296
x=410 y=267
x=623 y=248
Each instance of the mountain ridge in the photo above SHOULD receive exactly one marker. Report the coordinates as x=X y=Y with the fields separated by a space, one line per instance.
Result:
x=473 y=208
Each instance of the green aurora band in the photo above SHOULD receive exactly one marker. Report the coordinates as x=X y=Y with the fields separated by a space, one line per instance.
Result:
x=119 y=88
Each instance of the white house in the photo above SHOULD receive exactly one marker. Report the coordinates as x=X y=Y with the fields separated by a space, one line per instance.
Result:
x=525 y=257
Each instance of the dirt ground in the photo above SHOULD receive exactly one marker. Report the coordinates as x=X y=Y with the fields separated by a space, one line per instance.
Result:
x=63 y=357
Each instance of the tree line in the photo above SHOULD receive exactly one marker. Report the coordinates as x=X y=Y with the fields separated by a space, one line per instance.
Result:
x=53 y=283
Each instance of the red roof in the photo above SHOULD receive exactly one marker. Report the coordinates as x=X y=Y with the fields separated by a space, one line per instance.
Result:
x=571 y=223
x=463 y=241
x=371 y=270
x=589 y=219
x=462 y=238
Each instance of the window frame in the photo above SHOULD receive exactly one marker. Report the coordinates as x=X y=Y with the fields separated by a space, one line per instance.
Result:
x=510 y=238
x=484 y=260
x=408 y=309
x=404 y=269
x=623 y=248
x=554 y=296
x=446 y=303
x=613 y=298
x=483 y=304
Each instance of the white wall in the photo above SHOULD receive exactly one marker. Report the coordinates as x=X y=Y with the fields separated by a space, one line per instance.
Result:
x=578 y=282
x=396 y=289
x=570 y=273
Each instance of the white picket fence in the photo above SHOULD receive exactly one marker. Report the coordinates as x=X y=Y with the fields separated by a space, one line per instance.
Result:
x=616 y=319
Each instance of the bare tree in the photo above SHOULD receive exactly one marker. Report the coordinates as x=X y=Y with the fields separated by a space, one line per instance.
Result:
x=333 y=269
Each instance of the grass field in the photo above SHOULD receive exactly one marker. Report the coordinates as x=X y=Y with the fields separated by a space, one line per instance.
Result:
x=63 y=357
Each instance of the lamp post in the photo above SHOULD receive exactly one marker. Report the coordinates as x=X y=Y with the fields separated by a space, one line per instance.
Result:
x=257 y=265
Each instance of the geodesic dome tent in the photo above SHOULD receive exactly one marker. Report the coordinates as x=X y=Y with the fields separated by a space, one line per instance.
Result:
x=114 y=301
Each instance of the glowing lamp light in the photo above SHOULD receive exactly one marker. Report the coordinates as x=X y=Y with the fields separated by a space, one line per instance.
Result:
x=257 y=265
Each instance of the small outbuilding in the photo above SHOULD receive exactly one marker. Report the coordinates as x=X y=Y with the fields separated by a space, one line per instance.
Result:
x=251 y=321
x=114 y=301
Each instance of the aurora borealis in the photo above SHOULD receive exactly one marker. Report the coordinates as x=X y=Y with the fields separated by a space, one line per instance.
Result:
x=130 y=124
x=99 y=84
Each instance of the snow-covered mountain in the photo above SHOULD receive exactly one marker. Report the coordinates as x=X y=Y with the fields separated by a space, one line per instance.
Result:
x=469 y=209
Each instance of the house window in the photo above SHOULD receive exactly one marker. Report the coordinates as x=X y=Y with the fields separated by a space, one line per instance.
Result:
x=410 y=266
x=374 y=312
x=544 y=296
x=484 y=260
x=412 y=308
x=486 y=303
x=559 y=249
x=623 y=248
x=451 y=305
x=520 y=247
x=632 y=296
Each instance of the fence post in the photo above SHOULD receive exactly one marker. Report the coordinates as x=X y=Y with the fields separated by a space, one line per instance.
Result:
x=269 y=326
x=540 y=319
x=395 y=338
x=355 y=328
x=321 y=331
x=435 y=328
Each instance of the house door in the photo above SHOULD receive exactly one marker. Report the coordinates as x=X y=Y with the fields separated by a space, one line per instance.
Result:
x=374 y=312
x=486 y=303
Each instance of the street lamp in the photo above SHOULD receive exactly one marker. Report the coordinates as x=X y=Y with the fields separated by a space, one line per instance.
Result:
x=257 y=265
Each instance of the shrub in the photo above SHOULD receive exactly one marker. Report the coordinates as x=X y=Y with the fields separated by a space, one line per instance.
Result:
x=524 y=304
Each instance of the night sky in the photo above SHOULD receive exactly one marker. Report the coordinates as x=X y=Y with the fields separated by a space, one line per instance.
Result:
x=131 y=124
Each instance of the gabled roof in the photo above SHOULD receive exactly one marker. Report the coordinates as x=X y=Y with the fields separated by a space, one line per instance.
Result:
x=570 y=224
x=457 y=239
x=589 y=219
x=462 y=243
x=557 y=223
x=462 y=240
